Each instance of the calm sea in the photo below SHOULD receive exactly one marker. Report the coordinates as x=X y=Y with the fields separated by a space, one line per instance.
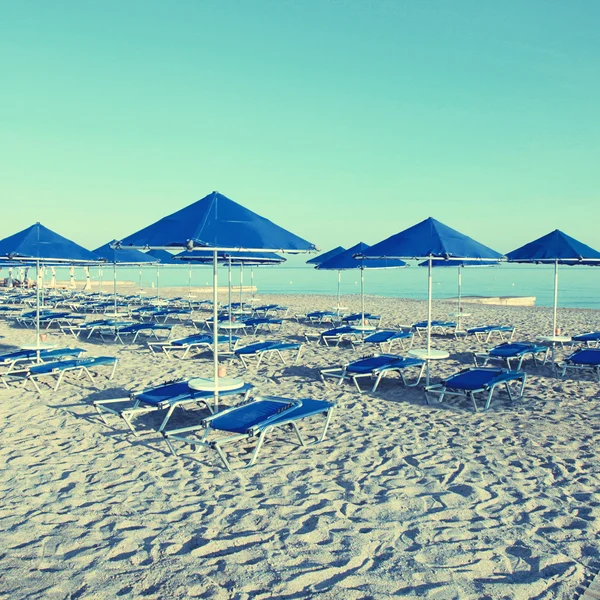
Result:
x=579 y=287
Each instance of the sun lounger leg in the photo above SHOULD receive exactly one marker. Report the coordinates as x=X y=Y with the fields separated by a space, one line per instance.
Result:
x=35 y=385
x=377 y=380
x=298 y=434
x=328 y=416
x=355 y=380
x=280 y=356
x=224 y=458
x=59 y=380
x=87 y=372
x=167 y=417
x=261 y=439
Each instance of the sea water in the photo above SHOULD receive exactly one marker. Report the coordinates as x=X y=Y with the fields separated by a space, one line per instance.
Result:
x=579 y=287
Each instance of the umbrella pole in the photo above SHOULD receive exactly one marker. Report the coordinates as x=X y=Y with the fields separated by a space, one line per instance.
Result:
x=554 y=332
x=157 y=284
x=100 y=274
x=429 y=290
x=252 y=281
x=362 y=297
x=215 y=331
x=229 y=298
x=459 y=295
x=140 y=284
x=190 y=283
x=241 y=284
x=115 y=285
x=37 y=308
x=338 y=294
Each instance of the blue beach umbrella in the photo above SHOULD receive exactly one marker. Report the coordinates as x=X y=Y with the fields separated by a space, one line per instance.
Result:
x=43 y=246
x=431 y=240
x=219 y=224
x=347 y=260
x=317 y=260
x=556 y=248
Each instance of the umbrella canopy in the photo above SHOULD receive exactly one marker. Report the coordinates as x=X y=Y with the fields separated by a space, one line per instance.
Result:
x=40 y=243
x=123 y=256
x=215 y=221
x=555 y=248
x=44 y=246
x=431 y=239
x=347 y=260
x=218 y=223
x=317 y=260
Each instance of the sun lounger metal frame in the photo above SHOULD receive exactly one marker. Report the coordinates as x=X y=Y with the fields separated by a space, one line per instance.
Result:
x=201 y=342
x=60 y=368
x=135 y=329
x=290 y=413
x=180 y=400
x=389 y=363
x=437 y=327
x=571 y=362
x=497 y=377
x=264 y=350
x=522 y=350
x=590 y=340
x=21 y=358
x=385 y=338
x=485 y=332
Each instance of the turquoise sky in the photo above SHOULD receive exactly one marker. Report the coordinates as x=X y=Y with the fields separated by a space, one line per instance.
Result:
x=341 y=120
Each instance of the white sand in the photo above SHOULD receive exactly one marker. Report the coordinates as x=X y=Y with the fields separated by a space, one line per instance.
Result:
x=401 y=499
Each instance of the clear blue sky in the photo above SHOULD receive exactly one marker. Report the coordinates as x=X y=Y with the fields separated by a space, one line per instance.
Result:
x=342 y=120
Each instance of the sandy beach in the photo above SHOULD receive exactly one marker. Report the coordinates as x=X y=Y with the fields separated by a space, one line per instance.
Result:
x=402 y=499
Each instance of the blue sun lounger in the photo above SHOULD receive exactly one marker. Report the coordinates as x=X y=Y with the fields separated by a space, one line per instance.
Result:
x=58 y=370
x=131 y=332
x=254 y=419
x=266 y=309
x=258 y=323
x=260 y=350
x=337 y=335
x=322 y=316
x=485 y=332
x=375 y=367
x=191 y=343
x=585 y=359
x=168 y=396
x=15 y=361
x=387 y=338
x=478 y=380
x=437 y=327
x=356 y=318
x=591 y=340
x=508 y=351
